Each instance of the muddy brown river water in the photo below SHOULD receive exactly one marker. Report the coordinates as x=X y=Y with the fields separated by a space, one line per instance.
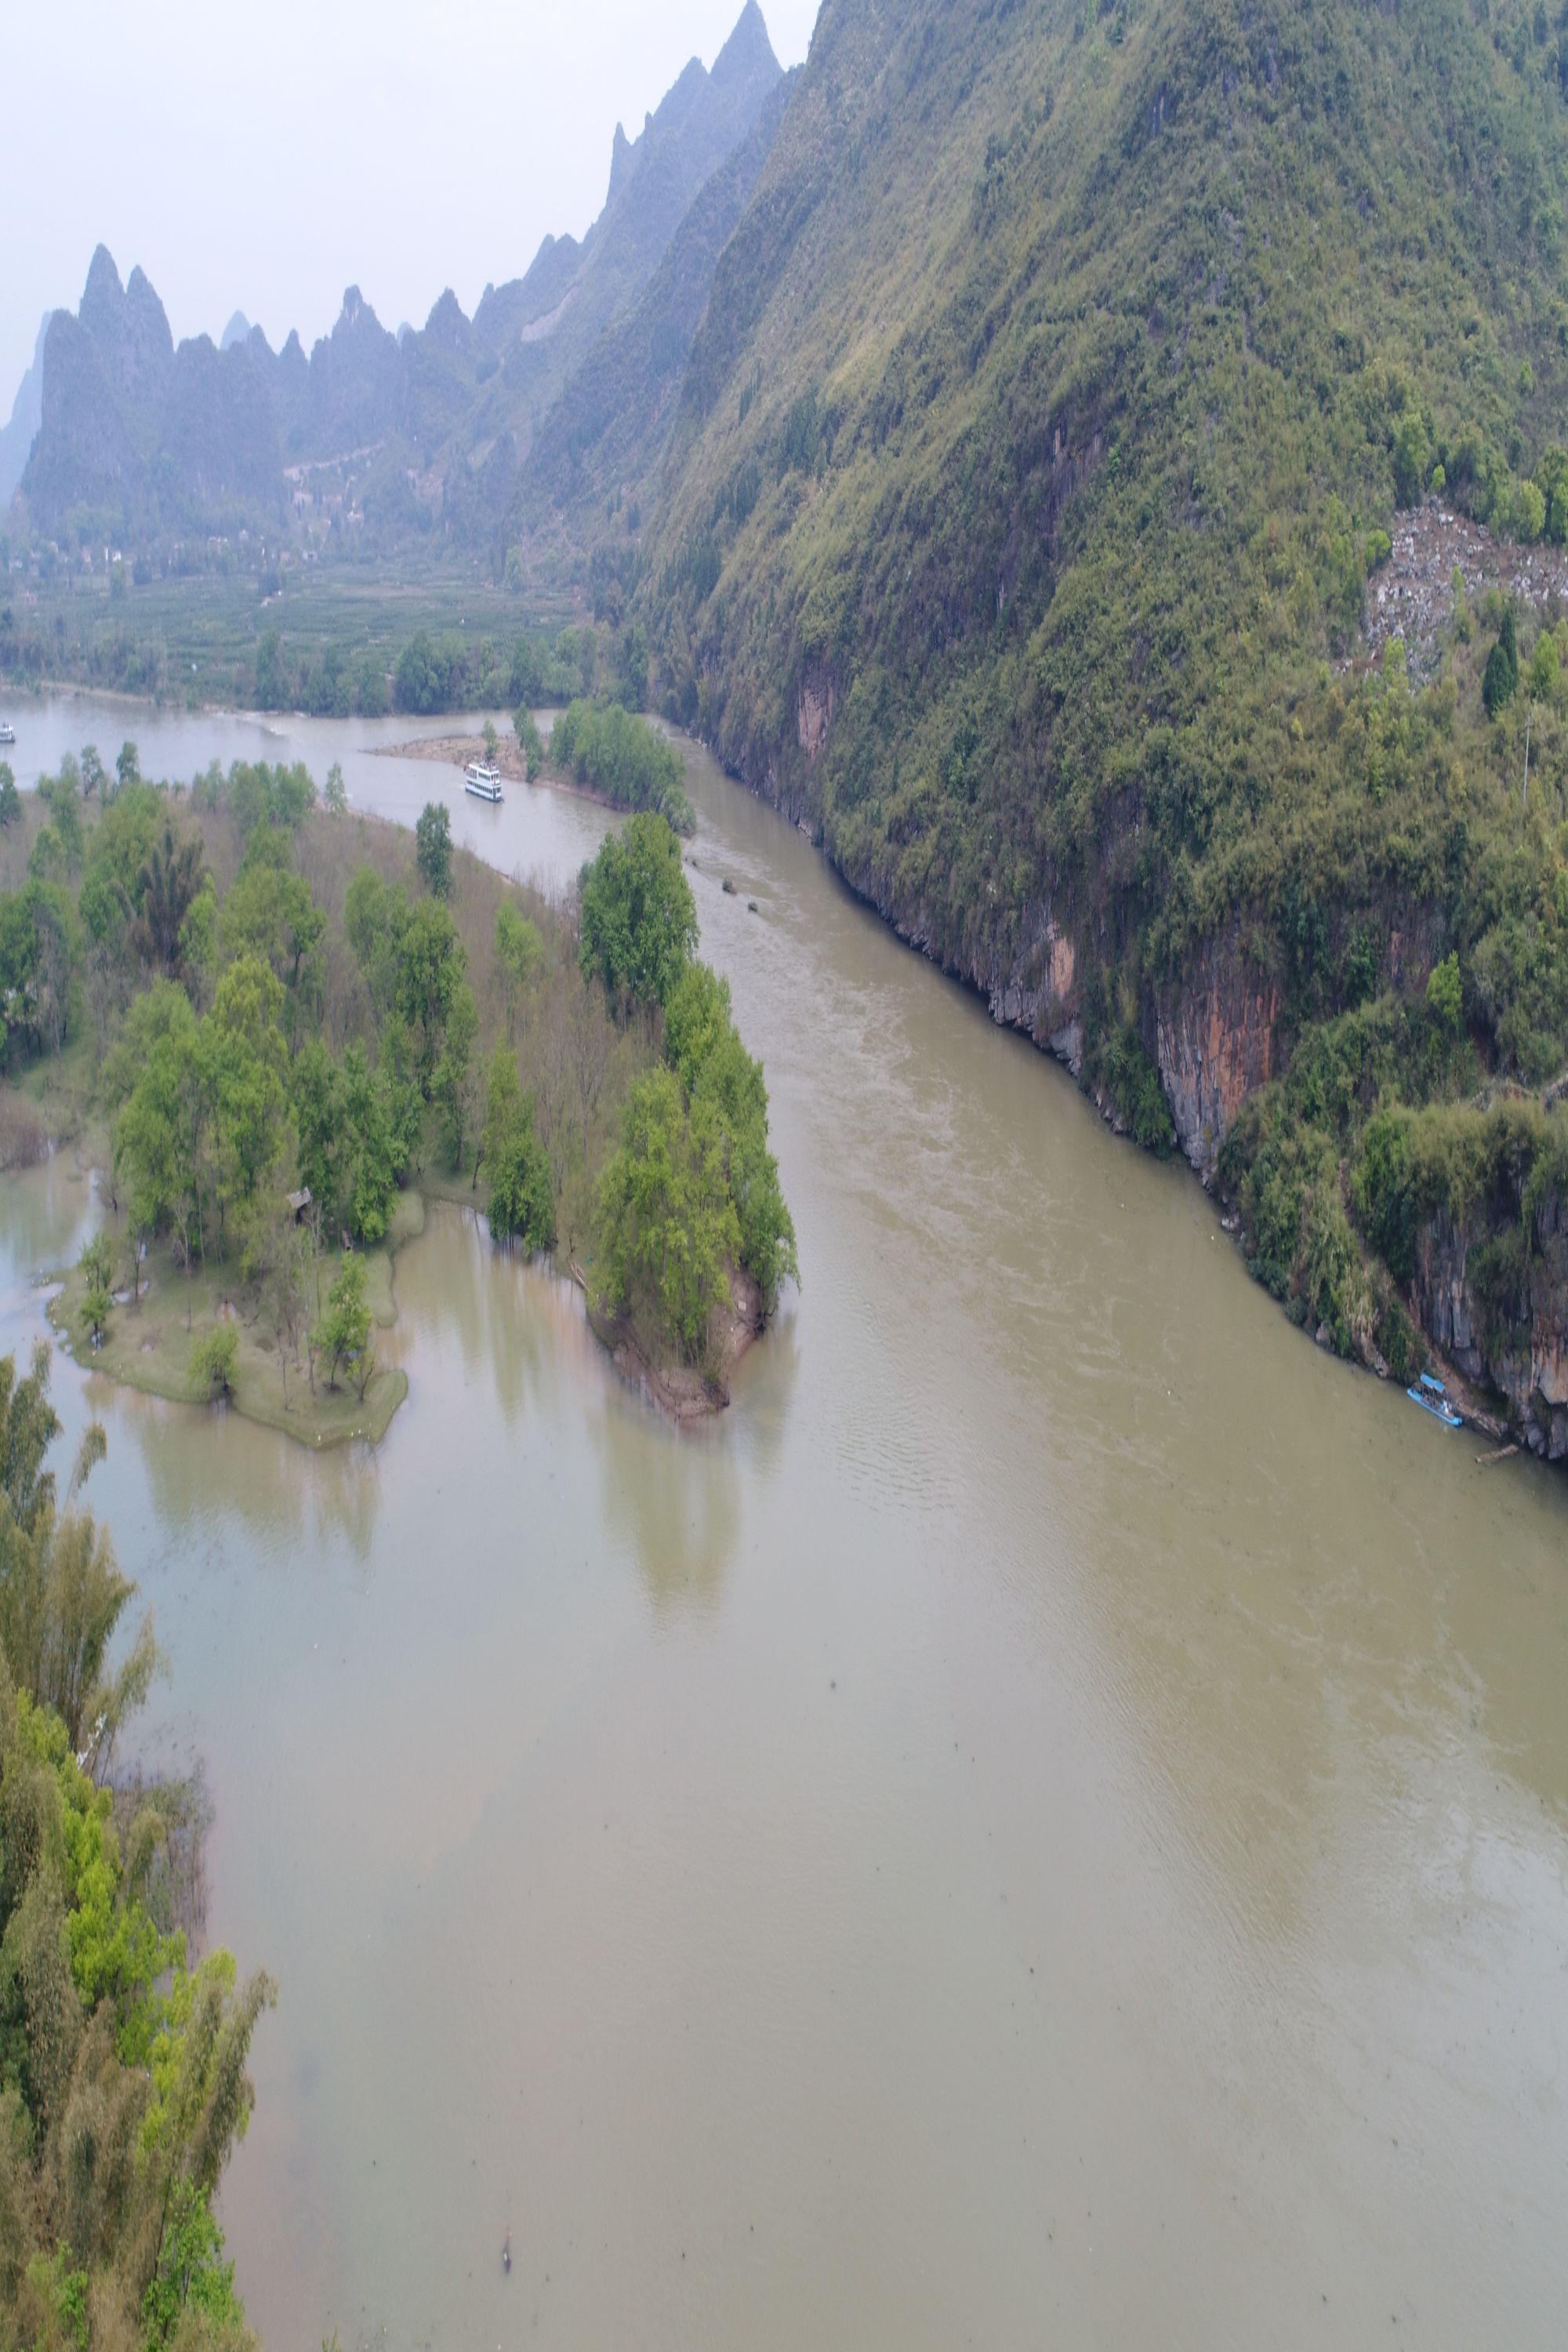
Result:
x=1044 y=1826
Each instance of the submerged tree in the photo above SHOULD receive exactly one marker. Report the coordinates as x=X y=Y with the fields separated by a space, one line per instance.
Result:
x=522 y=1198
x=214 y=1361
x=96 y=1267
x=669 y=1230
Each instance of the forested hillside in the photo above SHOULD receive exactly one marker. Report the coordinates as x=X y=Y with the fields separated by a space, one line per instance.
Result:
x=1048 y=426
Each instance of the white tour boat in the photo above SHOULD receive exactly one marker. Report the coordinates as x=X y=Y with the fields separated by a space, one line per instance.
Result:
x=7 y=733
x=483 y=781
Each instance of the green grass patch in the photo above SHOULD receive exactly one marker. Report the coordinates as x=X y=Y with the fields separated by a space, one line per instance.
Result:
x=151 y=1344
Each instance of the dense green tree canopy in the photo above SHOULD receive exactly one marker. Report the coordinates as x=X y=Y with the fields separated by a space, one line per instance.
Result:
x=639 y=918
x=433 y=837
x=278 y=1043
x=670 y=1232
x=626 y=758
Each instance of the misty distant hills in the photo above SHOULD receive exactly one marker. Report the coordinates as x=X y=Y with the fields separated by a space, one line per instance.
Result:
x=17 y=437
x=606 y=432
x=120 y=434
x=548 y=321
x=135 y=435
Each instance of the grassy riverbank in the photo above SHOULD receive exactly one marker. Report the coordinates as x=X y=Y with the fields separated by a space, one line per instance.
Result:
x=152 y=1342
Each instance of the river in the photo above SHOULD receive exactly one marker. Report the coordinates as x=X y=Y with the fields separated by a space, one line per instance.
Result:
x=1047 y=1824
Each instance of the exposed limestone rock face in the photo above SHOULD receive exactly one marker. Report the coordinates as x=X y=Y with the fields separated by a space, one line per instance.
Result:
x=1214 y=1044
x=813 y=714
x=1528 y=1364
x=1215 y=1034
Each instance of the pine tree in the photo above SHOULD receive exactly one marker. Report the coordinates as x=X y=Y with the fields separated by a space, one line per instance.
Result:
x=1500 y=680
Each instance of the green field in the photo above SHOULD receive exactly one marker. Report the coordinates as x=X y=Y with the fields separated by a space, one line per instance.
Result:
x=193 y=640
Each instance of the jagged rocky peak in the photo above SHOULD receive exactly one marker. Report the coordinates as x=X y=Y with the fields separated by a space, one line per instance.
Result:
x=621 y=154
x=127 y=327
x=146 y=319
x=357 y=325
x=103 y=296
x=128 y=411
x=118 y=316
x=748 y=55
x=448 y=325
x=745 y=70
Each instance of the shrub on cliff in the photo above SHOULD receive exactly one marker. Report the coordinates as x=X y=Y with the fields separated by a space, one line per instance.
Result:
x=1133 y=1086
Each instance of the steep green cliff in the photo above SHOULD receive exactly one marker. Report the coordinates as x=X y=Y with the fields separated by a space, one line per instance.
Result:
x=1061 y=394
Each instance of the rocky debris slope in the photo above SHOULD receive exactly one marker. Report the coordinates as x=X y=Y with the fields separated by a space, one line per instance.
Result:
x=1412 y=595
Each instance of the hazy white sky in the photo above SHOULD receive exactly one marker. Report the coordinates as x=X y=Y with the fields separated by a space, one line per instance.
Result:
x=262 y=160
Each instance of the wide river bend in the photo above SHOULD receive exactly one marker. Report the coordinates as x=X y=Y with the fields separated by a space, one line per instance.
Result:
x=1046 y=1825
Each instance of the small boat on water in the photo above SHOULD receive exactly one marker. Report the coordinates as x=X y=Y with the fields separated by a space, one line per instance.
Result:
x=7 y=733
x=483 y=781
x=1433 y=1398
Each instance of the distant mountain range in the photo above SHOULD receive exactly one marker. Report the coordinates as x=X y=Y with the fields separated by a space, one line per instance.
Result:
x=121 y=433
x=27 y=415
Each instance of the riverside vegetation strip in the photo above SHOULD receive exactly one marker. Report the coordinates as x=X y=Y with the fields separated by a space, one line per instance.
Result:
x=122 y=2057
x=600 y=748
x=269 y=1023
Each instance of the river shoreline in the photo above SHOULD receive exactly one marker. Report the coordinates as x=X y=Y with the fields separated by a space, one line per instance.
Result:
x=681 y=1392
x=508 y=759
x=152 y=1357
x=1492 y=1414
x=154 y=1329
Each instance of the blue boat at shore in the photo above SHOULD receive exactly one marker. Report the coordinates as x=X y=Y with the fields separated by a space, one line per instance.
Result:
x=1433 y=1398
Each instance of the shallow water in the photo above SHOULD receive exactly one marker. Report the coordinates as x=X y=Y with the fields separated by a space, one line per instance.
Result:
x=1047 y=1824
x=538 y=832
